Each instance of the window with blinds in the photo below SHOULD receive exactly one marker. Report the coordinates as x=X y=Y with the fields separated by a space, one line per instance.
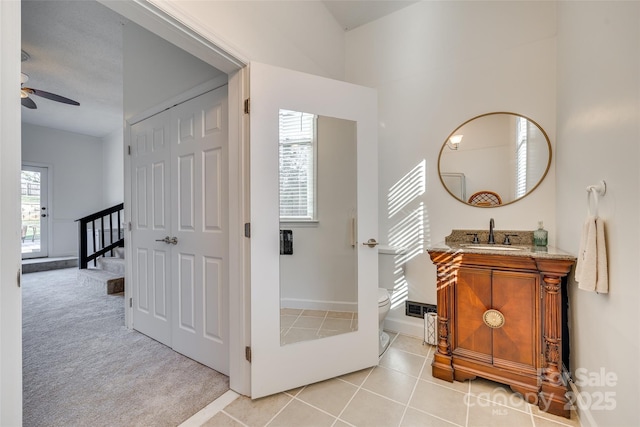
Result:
x=521 y=156
x=297 y=166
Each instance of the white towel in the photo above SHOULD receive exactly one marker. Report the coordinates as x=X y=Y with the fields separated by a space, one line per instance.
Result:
x=591 y=269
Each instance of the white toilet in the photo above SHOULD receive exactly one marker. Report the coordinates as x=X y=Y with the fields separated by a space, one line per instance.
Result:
x=387 y=271
x=384 y=304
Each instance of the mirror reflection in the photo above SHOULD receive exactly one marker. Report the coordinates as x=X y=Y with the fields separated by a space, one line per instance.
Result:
x=494 y=159
x=318 y=264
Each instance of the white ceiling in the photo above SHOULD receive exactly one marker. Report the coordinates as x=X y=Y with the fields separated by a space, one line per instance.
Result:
x=351 y=14
x=75 y=50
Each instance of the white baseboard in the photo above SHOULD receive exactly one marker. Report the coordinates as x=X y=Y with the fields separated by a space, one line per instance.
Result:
x=582 y=409
x=413 y=328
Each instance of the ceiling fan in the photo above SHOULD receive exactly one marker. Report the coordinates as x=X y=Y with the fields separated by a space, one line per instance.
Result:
x=29 y=103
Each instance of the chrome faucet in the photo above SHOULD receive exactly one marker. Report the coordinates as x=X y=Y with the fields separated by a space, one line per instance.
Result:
x=492 y=240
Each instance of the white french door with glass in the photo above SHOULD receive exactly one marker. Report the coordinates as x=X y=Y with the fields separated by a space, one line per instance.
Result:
x=277 y=365
x=34 y=181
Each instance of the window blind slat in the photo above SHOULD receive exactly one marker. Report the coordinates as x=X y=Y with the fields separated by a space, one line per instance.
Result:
x=297 y=175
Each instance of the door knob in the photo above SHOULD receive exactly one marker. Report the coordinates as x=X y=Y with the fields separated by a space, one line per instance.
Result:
x=169 y=240
x=371 y=243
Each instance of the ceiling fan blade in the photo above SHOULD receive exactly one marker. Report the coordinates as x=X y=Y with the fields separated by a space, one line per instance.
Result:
x=28 y=102
x=51 y=96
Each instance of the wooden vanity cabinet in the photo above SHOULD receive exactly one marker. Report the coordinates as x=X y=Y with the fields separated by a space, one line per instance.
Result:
x=499 y=317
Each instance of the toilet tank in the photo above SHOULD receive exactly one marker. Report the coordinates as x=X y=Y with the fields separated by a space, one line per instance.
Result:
x=390 y=266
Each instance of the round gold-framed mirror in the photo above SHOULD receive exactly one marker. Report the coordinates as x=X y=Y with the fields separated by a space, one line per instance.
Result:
x=494 y=159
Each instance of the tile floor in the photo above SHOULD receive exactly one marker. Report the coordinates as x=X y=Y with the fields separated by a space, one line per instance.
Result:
x=400 y=391
x=301 y=325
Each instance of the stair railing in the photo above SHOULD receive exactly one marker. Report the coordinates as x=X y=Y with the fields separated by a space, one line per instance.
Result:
x=93 y=242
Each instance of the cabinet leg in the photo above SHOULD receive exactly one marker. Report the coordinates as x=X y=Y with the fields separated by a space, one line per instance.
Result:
x=552 y=400
x=530 y=394
x=441 y=367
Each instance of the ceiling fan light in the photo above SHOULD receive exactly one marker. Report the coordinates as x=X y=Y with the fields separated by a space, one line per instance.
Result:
x=23 y=78
x=23 y=94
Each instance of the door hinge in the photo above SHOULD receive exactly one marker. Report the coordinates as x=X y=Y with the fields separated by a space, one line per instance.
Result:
x=247 y=353
x=130 y=302
x=129 y=149
x=247 y=229
x=247 y=106
x=129 y=225
x=19 y=277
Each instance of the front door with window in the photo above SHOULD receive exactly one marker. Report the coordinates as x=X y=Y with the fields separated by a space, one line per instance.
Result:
x=34 y=211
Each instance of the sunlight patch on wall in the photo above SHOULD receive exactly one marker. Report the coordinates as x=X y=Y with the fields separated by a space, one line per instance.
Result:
x=407 y=189
x=408 y=232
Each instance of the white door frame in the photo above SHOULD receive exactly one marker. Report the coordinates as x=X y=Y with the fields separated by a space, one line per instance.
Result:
x=209 y=50
x=10 y=257
x=165 y=22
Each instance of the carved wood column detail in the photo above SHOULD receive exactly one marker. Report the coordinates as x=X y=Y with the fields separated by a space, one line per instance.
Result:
x=447 y=267
x=552 y=397
x=444 y=300
x=552 y=329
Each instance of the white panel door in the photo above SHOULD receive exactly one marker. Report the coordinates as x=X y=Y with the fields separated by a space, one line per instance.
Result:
x=199 y=222
x=150 y=174
x=179 y=236
x=276 y=367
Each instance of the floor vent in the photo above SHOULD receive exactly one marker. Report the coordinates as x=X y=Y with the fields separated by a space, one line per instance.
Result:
x=418 y=309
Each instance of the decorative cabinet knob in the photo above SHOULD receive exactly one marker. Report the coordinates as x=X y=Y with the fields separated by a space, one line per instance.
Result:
x=493 y=318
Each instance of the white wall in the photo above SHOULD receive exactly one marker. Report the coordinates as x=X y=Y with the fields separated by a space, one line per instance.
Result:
x=599 y=138
x=156 y=70
x=436 y=65
x=321 y=273
x=113 y=168
x=76 y=187
x=299 y=35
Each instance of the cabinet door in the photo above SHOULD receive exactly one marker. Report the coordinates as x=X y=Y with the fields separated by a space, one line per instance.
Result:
x=516 y=343
x=472 y=297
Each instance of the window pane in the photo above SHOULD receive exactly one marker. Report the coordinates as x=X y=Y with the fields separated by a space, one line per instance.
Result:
x=297 y=139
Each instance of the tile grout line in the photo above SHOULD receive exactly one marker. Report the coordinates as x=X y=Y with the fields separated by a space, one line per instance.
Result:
x=468 y=394
x=533 y=420
x=283 y=408
x=290 y=326
x=324 y=319
x=354 y=395
x=233 y=418
x=415 y=386
x=335 y=418
x=419 y=378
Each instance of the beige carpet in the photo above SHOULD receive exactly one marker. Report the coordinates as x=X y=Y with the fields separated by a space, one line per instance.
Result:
x=82 y=367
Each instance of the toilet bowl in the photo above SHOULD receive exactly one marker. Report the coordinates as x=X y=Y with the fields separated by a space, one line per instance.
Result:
x=384 y=303
x=390 y=274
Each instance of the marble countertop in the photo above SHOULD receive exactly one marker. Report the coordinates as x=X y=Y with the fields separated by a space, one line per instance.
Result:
x=522 y=245
x=530 y=251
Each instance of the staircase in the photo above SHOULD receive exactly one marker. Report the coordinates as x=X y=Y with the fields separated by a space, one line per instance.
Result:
x=108 y=272
x=101 y=244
